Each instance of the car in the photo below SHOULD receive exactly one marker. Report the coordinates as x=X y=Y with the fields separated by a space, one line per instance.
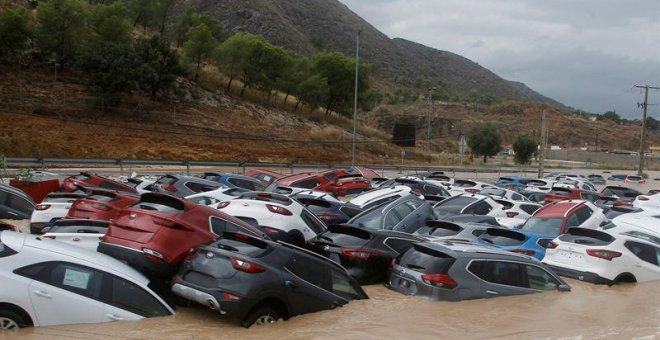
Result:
x=625 y=194
x=373 y=198
x=265 y=176
x=534 y=196
x=240 y=182
x=365 y=252
x=321 y=195
x=596 y=179
x=634 y=179
x=512 y=182
x=557 y=218
x=633 y=222
x=182 y=186
x=54 y=206
x=454 y=271
x=570 y=183
x=157 y=233
x=141 y=185
x=290 y=191
x=648 y=201
x=327 y=181
x=653 y=192
x=89 y=180
x=328 y=211
x=256 y=281
x=468 y=186
x=82 y=233
x=471 y=204
x=519 y=209
x=617 y=178
x=405 y=214
x=15 y=204
x=430 y=191
x=516 y=241
x=278 y=216
x=503 y=193
x=214 y=197
x=605 y=258
x=101 y=205
x=7 y=226
x=451 y=231
x=562 y=194
x=539 y=185
x=45 y=283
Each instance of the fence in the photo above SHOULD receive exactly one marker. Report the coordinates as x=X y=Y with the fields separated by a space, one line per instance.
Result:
x=604 y=158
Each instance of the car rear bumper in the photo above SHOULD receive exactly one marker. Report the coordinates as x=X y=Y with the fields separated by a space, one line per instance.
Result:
x=198 y=296
x=213 y=299
x=137 y=259
x=580 y=275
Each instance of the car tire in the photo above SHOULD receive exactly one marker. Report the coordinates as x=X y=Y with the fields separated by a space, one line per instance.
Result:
x=11 y=320
x=261 y=316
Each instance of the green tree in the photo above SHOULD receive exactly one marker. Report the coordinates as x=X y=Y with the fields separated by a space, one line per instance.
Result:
x=524 y=147
x=15 y=33
x=245 y=55
x=652 y=124
x=162 y=13
x=339 y=70
x=143 y=12
x=155 y=66
x=299 y=71
x=62 y=29
x=199 y=46
x=314 y=91
x=191 y=19
x=613 y=116
x=484 y=141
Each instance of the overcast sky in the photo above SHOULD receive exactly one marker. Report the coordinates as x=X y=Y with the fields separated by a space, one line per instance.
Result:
x=587 y=54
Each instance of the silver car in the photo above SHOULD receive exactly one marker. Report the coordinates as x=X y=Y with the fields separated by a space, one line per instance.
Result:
x=459 y=271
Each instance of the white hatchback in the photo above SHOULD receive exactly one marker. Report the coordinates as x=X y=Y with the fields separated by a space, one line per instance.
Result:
x=53 y=207
x=45 y=282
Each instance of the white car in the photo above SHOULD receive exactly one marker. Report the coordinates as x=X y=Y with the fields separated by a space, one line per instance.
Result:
x=647 y=201
x=321 y=195
x=45 y=282
x=503 y=193
x=604 y=257
x=468 y=186
x=142 y=185
x=55 y=206
x=214 y=197
x=373 y=198
x=519 y=209
x=279 y=216
x=469 y=204
x=540 y=185
x=80 y=233
x=634 y=222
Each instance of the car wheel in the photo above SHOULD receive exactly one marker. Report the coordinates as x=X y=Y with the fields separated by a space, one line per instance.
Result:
x=10 y=320
x=261 y=316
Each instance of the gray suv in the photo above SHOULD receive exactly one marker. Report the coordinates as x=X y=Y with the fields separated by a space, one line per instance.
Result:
x=459 y=271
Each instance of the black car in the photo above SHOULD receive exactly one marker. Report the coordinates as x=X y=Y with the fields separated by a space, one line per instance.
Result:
x=366 y=253
x=257 y=281
x=14 y=203
x=431 y=192
x=329 y=212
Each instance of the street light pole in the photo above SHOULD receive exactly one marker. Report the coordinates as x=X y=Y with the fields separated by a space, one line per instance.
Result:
x=357 y=54
x=428 y=124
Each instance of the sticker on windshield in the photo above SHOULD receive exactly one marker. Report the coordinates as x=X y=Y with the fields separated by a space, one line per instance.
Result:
x=76 y=279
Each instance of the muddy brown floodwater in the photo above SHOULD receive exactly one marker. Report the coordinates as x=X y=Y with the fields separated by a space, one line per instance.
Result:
x=589 y=311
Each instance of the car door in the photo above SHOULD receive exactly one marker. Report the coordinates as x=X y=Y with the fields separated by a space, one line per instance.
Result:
x=14 y=207
x=124 y=300
x=304 y=282
x=56 y=286
x=500 y=278
x=647 y=260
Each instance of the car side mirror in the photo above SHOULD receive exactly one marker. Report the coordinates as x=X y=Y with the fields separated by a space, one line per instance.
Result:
x=564 y=288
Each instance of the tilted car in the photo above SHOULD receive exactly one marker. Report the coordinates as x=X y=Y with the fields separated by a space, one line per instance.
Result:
x=468 y=186
x=519 y=209
x=45 y=282
x=561 y=194
x=182 y=186
x=101 y=205
x=214 y=197
x=14 y=203
x=455 y=271
x=157 y=233
x=605 y=257
x=557 y=218
x=55 y=206
x=256 y=281
x=240 y=182
x=624 y=193
x=469 y=204
x=430 y=191
x=452 y=231
x=516 y=241
x=373 y=198
x=512 y=182
x=328 y=181
x=89 y=180
x=406 y=214
x=503 y=193
x=539 y=185
x=265 y=176
x=80 y=233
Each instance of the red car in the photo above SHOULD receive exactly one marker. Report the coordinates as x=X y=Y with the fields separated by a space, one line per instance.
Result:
x=561 y=194
x=158 y=232
x=88 y=180
x=265 y=176
x=101 y=205
x=556 y=218
x=328 y=181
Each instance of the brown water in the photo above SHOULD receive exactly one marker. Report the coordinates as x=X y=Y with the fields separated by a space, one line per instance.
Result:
x=588 y=311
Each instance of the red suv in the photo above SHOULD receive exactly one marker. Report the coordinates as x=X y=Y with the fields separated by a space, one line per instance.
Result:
x=101 y=205
x=158 y=232
x=265 y=176
x=561 y=194
x=328 y=181
x=88 y=180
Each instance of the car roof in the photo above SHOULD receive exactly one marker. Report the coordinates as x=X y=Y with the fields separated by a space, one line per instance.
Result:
x=459 y=249
x=377 y=194
x=287 y=180
x=558 y=209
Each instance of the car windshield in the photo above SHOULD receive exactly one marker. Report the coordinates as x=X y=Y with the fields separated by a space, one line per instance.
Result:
x=369 y=219
x=453 y=205
x=494 y=192
x=543 y=225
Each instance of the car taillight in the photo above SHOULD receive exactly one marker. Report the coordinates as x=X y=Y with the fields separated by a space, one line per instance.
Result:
x=642 y=198
x=511 y=214
x=326 y=218
x=167 y=223
x=552 y=245
x=523 y=251
x=230 y=296
x=472 y=191
x=223 y=204
x=101 y=206
x=278 y=210
x=360 y=254
x=42 y=207
x=246 y=266
x=170 y=187
x=439 y=280
x=270 y=230
x=392 y=263
x=603 y=254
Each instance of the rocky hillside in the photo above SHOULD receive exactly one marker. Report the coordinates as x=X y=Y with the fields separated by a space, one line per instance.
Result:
x=310 y=26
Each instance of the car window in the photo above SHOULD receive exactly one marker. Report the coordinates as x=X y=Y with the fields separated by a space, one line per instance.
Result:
x=644 y=252
x=433 y=190
x=517 y=197
x=112 y=186
x=307 y=184
x=479 y=208
x=589 y=197
x=341 y=285
x=312 y=222
x=454 y=204
x=307 y=270
x=392 y=218
x=529 y=208
x=266 y=178
x=220 y=226
x=573 y=221
x=426 y=260
x=399 y=245
x=75 y=278
x=203 y=200
x=166 y=180
x=130 y=297
x=19 y=204
x=540 y=279
x=499 y=272
x=330 y=176
x=199 y=187
x=404 y=209
x=543 y=225
x=583 y=214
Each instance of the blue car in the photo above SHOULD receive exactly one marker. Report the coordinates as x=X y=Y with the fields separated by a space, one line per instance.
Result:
x=513 y=182
x=240 y=182
x=517 y=241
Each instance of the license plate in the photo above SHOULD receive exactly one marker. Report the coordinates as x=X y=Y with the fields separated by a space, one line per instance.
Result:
x=403 y=283
x=570 y=256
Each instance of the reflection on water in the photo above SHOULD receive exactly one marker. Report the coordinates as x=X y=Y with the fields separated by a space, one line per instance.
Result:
x=589 y=311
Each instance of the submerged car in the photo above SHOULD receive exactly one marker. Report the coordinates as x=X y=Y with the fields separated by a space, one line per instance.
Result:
x=256 y=281
x=455 y=271
x=516 y=241
x=45 y=282
x=80 y=233
x=101 y=205
x=55 y=206
x=89 y=180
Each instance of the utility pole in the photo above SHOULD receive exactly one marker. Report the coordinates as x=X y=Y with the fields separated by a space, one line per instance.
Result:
x=544 y=142
x=640 y=169
x=428 y=124
x=357 y=54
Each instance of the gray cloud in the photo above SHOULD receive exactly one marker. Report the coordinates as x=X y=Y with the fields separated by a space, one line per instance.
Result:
x=587 y=54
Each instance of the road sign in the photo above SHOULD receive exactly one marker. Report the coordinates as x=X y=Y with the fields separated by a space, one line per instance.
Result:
x=462 y=143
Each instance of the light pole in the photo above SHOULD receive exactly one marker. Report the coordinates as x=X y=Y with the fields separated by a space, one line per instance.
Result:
x=428 y=125
x=357 y=54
